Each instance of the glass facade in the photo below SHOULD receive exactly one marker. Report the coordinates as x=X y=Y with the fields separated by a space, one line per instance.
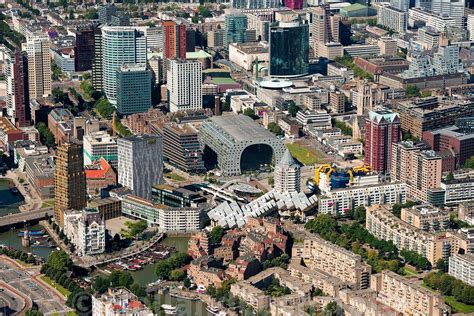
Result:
x=133 y=89
x=289 y=48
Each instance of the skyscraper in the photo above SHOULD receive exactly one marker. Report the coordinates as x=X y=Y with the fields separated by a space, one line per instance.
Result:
x=289 y=49
x=294 y=4
x=84 y=49
x=235 y=26
x=97 y=70
x=140 y=163
x=287 y=174
x=69 y=180
x=382 y=129
x=133 y=88
x=320 y=25
x=39 y=66
x=106 y=12
x=174 y=37
x=184 y=85
x=120 y=45
x=16 y=78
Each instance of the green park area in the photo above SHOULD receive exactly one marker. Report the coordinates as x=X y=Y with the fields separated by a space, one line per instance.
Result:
x=305 y=155
x=55 y=285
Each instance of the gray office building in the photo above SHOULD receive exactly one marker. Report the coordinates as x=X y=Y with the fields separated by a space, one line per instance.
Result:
x=133 y=89
x=140 y=163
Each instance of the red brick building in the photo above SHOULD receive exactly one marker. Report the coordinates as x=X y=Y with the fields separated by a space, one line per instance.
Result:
x=99 y=176
x=382 y=129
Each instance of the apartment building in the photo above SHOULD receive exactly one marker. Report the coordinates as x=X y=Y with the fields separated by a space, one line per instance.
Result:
x=459 y=190
x=381 y=223
x=167 y=219
x=462 y=267
x=118 y=301
x=329 y=284
x=407 y=297
x=419 y=168
x=423 y=114
x=341 y=201
x=335 y=261
x=426 y=217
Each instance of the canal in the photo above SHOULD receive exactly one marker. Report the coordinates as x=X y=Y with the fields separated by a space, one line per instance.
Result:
x=148 y=275
x=9 y=202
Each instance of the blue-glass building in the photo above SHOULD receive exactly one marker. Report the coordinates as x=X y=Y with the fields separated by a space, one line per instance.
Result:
x=133 y=89
x=289 y=49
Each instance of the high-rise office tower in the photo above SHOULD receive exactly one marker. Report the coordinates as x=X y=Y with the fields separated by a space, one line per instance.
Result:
x=106 y=12
x=84 y=49
x=174 y=37
x=39 y=66
x=365 y=101
x=289 y=49
x=16 y=78
x=294 y=4
x=97 y=70
x=133 y=88
x=382 y=129
x=140 y=163
x=235 y=26
x=184 y=85
x=69 y=180
x=120 y=45
x=287 y=174
x=320 y=25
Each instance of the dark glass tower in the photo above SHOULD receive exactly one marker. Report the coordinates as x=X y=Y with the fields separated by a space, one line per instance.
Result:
x=289 y=49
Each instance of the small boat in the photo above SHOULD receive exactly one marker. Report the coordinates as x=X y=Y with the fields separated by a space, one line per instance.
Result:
x=32 y=233
x=14 y=190
x=169 y=309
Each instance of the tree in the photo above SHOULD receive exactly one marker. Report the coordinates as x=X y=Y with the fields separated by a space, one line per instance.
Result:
x=412 y=91
x=125 y=279
x=359 y=214
x=60 y=261
x=441 y=265
x=275 y=129
x=135 y=229
x=138 y=290
x=91 y=14
x=46 y=137
x=469 y=163
x=450 y=176
x=177 y=275
x=104 y=108
x=101 y=284
x=250 y=113
x=292 y=108
x=216 y=234
x=33 y=312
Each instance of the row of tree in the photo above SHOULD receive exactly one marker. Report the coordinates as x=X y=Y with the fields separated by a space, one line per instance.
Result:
x=17 y=254
x=168 y=269
x=118 y=279
x=59 y=269
x=450 y=286
x=354 y=236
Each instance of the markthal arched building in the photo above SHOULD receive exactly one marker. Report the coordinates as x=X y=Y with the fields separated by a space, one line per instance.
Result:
x=289 y=48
